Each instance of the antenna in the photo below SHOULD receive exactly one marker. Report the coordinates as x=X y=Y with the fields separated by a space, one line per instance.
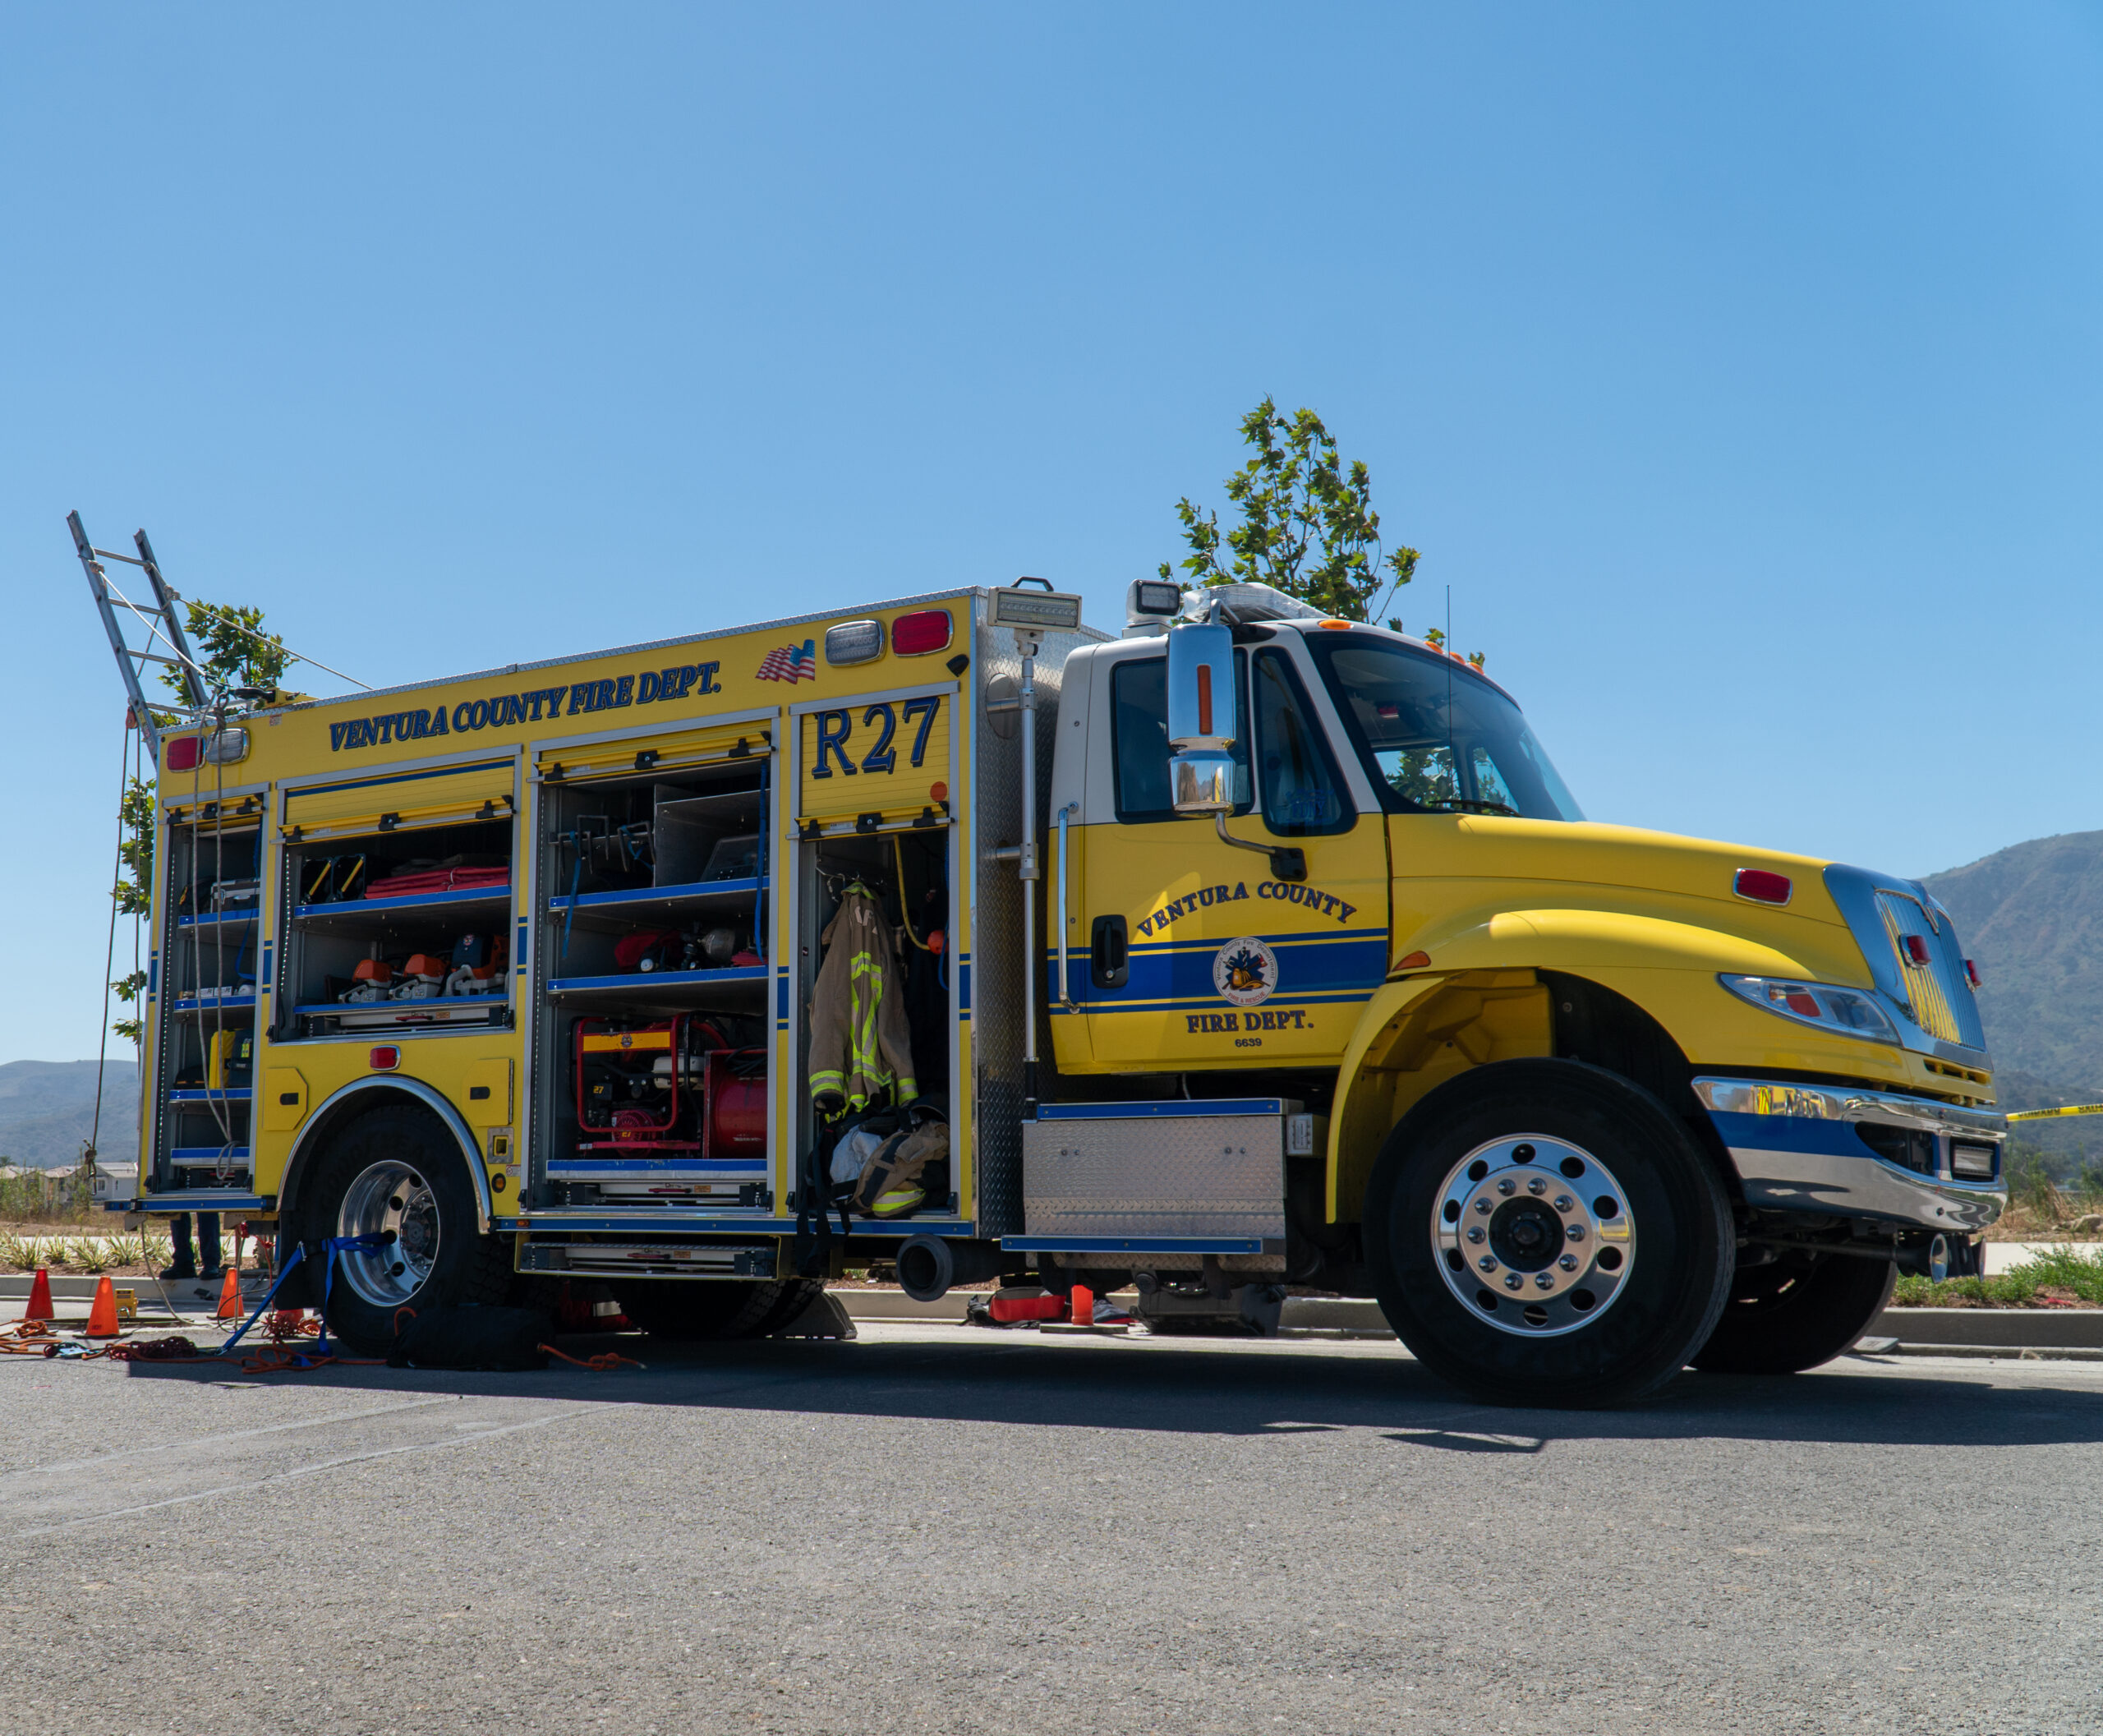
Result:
x=1452 y=753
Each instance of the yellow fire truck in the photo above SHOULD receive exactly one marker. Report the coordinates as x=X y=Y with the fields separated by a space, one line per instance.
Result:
x=1249 y=949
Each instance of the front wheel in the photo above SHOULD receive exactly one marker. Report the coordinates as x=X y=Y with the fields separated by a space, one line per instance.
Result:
x=1543 y=1232
x=1799 y=1310
x=395 y=1175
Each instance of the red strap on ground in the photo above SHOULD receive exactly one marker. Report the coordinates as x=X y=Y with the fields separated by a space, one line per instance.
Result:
x=605 y=1362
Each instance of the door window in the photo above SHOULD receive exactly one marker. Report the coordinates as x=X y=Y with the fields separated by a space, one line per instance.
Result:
x=1139 y=729
x=1303 y=796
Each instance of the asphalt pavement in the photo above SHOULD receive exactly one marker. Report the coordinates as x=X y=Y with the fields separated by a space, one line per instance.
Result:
x=942 y=1529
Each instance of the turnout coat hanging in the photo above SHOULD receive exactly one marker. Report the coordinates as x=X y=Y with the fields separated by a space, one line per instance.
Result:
x=860 y=1045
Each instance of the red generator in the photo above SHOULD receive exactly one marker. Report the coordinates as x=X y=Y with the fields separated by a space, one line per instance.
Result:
x=674 y=1085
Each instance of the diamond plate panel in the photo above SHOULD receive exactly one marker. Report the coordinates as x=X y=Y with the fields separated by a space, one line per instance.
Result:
x=1209 y=1174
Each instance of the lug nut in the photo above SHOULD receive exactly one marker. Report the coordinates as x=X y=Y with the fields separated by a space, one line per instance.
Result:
x=1576 y=1233
x=1545 y=1280
x=1487 y=1262
x=1475 y=1232
x=1563 y=1202
x=1507 y=1186
x=1483 y=1206
x=1512 y=1281
x=1568 y=1262
x=1537 y=1186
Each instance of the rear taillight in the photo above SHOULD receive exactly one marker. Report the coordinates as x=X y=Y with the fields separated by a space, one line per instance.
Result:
x=1762 y=886
x=185 y=753
x=1971 y=974
x=917 y=635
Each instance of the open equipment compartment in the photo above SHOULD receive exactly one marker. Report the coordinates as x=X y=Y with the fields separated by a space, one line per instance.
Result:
x=651 y=1069
x=211 y=952
x=402 y=929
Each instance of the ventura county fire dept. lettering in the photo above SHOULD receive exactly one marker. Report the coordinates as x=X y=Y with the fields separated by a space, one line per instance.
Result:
x=1204 y=898
x=649 y=687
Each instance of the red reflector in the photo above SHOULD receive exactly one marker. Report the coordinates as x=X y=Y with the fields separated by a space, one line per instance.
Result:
x=184 y=752
x=1758 y=883
x=1916 y=948
x=386 y=1058
x=1971 y=974
x=915 y=635
x=1797 y=1001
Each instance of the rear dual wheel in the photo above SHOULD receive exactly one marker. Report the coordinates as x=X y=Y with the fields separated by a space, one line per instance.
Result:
x=688 y=1309
x=1797 y=1310
x=396 y=1177
x=1543 y=1232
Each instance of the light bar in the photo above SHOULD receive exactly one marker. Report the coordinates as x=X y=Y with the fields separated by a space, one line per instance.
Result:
x=1039 y=609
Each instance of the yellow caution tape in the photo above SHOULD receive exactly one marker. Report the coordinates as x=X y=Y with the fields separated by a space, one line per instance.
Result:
x=2045 y=1115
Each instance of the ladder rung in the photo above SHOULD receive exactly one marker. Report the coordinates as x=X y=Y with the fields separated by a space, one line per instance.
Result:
x=112 y=555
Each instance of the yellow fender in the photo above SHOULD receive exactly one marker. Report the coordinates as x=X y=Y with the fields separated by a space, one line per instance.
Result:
x=1481 y=1003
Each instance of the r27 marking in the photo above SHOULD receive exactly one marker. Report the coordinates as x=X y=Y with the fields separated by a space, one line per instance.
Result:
x=835 y=728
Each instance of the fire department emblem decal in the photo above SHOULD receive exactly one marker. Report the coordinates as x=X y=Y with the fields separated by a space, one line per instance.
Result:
x=1245 y=971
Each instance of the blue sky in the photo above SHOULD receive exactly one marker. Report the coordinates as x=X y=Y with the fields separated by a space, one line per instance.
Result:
x=1737 y=368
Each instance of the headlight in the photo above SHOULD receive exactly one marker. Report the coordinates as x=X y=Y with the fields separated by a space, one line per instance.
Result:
x=1847 y=1010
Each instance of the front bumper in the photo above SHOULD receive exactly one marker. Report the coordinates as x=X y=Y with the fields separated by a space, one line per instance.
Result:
x=1803 y=1149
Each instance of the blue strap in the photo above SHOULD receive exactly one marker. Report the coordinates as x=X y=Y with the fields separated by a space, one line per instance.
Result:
x=299 y=1253
x=374 y=1242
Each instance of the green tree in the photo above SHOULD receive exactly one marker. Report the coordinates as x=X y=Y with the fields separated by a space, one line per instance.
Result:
x=1308 y=527
x=232 y=650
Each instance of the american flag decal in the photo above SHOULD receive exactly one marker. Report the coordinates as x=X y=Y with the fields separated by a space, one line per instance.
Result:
x=790 y=663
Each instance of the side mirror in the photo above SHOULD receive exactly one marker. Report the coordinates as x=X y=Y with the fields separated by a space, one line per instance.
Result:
x=1201 y=719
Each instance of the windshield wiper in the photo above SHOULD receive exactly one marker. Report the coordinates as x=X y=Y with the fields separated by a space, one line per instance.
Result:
x=1473 y=807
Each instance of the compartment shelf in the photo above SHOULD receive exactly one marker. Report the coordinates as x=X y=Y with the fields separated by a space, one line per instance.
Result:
x=357 y=918
x=245 y=1001
x=740 y=987
x=219 y=919
x=242 y=1095
x=209 y=1157
x=617 y=912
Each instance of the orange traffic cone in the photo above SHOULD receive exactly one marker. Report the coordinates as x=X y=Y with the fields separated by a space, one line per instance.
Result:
x=39 y=1308
x=102 y=1314
x=1083 y=1306
x=230 y=1296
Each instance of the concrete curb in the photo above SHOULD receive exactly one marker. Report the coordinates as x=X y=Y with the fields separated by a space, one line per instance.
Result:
x=2018 y=1328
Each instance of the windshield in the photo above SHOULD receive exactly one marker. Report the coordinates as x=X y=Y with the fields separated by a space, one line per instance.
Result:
x=1434 y=736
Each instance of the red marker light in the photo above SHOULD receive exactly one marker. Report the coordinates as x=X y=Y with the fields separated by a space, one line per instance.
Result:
x=917 y=635
x=1204 y=699
x=185 y=753
x=1916 y=948
x=1762 y=886
x=386 y=1058
x=1971 y=974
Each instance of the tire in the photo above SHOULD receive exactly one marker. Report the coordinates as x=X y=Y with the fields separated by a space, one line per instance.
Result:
x=1507 y=1275
x=1795 y=1312
x=397 y=1170
x=686 y=1310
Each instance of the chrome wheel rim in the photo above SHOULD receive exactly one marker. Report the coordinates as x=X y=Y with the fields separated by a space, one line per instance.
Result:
x=395 y=1201
x=1533 y=1235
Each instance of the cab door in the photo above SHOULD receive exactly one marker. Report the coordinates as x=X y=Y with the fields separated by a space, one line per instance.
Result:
x=1185 y=952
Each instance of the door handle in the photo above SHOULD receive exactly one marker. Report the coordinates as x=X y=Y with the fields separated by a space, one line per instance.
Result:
x=1065 y=990
x=1110 y=953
